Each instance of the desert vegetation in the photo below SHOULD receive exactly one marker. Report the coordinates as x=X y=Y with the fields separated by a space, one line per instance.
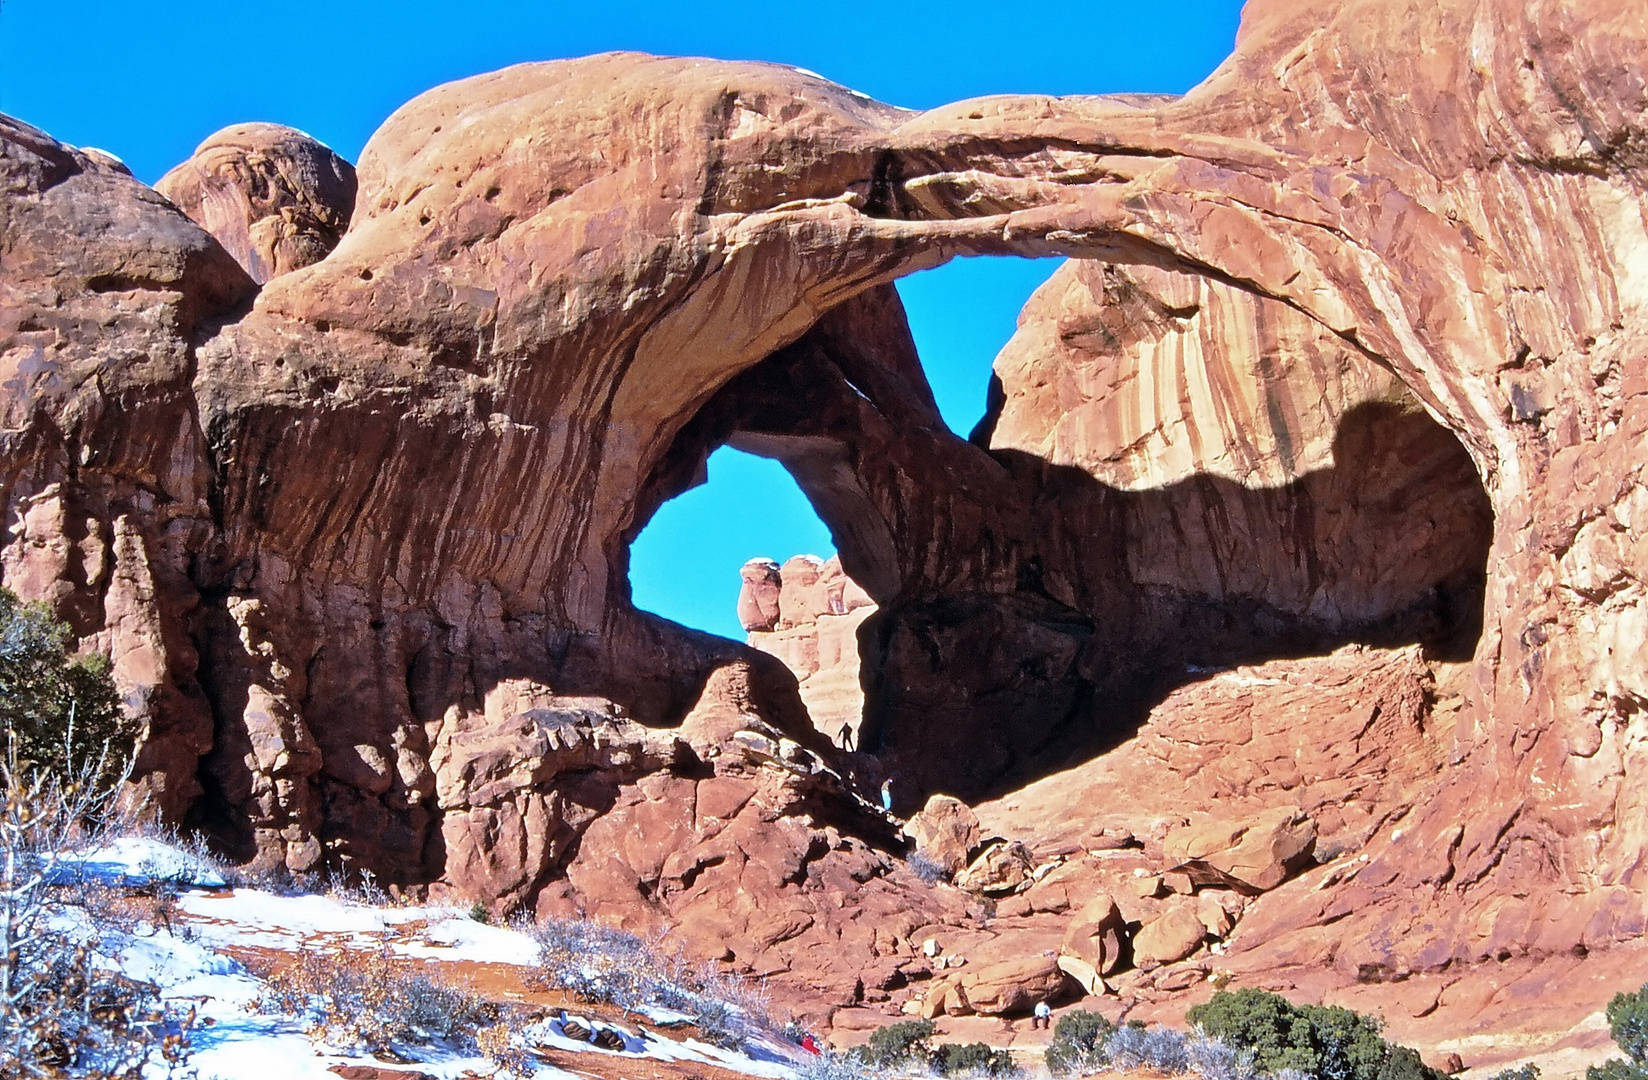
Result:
x=63 y=753
x=907 y=1049
x=375 y=1001
x=1240 y=1035
x=605 y=965
x=1085 y=1043
x=1628 y=1023
x=1314 y=1040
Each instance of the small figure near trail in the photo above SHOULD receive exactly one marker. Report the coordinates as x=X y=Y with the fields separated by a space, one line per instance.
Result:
x=887 y=794
x=845 y=737
x=1043 y=1016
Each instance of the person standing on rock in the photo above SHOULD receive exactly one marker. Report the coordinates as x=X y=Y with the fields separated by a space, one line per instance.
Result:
x=887 y=794
x=845 y=737
x=1042 y=1017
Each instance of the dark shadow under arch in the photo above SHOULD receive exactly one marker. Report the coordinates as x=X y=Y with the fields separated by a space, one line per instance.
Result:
x=1031 y=615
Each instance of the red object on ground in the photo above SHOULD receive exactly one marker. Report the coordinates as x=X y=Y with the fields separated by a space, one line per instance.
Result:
x=809 y=1045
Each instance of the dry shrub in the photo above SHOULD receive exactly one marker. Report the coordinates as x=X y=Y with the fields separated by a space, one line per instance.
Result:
x=64 y=751
x=604 y=965
x=62 y=1013
x=496 y=1043
x=373 y=999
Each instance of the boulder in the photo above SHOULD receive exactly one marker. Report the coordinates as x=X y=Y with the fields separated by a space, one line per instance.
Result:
x=1097 y=936
x=275 y=198
x=1173 y=935
x=1062 y=890
x=997 y=989
x=1083 y=974
x=1004 y=866
x=1215 y=916
x=945 y=831
x=1258 y=853
x=945 y=997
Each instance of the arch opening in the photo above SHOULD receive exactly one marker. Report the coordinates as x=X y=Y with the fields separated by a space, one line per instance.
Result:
x=684 y=564
x=1170 y=476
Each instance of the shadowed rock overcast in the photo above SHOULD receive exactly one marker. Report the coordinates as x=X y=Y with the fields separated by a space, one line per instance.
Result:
x=1280 y=624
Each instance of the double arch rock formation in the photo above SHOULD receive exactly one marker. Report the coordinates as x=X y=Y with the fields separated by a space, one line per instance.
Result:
x=357 y=539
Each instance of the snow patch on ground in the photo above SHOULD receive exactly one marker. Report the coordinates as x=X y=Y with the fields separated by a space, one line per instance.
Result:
x=233 y=1041
x=141 y=861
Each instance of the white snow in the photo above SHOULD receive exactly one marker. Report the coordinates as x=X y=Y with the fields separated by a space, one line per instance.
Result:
x=116 y=158
x=141 y=860
x=233 y=1041
x=660 y=1015
x=251 y=918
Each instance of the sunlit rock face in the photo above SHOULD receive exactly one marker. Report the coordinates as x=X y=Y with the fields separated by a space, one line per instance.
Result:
x=275 y=198
x=807 y=613
x=351 y=541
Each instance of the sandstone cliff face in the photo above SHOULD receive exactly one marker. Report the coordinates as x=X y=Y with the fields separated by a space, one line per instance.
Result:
x=358 y=551
x=807 y=613
x=1264 y=459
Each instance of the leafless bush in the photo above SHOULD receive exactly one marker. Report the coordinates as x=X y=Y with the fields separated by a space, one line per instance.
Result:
x=62 y=1013
x=373 y=1000
x=496 y=1043
x=832 y=1066
x=598 y=963
x=926 y=869
x=1215 y=1059
x=1159 y=1048
x=602 y=964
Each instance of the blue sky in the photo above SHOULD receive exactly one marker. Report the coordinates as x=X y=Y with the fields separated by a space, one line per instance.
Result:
x=149 y=79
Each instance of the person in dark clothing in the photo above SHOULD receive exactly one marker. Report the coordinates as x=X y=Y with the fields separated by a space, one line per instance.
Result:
x=845 y=737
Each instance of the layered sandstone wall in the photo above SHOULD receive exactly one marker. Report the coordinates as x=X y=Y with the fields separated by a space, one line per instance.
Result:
x=807 y=613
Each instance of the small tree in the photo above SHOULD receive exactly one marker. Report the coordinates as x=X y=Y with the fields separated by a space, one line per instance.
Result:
x=62 y=756
x=973 y=1059
x=898 y=1044
x=1323 y=1041
x=1078 y=1043
x=1628 y=1022
x=58 y=711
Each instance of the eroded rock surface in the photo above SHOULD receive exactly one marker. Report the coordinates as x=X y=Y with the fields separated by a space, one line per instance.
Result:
x=1354 y=340
x=807 y=613
x=275 y=198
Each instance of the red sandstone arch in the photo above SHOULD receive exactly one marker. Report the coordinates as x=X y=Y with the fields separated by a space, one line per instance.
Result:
x=404 y=479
